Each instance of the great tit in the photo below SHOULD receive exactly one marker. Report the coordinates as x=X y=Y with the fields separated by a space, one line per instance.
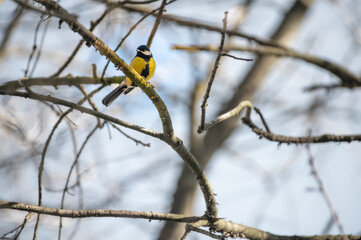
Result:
x=144 y=64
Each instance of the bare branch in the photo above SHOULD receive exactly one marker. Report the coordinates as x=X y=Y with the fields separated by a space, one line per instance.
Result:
x=225 y=227
x=131 y=29
x=75 y=162
x=325 y=138
x=237 y=58
x=77 y=48
x=89 y=99
x=86 y=213
x=233 y=112
x=20 y=227
x=258 y=111
x=58 y=81
x=38 y=48
x=235 y=230
x=322 y=189
x=213 y=74
x=130 y=137
x=109 y=2
x=168 y=132
x=190 y=227
x=157 y=22
x=43 y=154
x=82 y=109
x=194 y=23
x=104 y=50
x=326 y=87
x=10 y=29
x=176 y=144
x=33 y=48
x=348 y=79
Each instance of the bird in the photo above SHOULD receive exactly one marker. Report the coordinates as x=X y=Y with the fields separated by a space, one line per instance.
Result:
x=144 y=64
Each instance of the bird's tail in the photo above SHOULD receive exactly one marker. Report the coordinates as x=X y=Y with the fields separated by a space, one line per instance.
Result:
x=108 y=99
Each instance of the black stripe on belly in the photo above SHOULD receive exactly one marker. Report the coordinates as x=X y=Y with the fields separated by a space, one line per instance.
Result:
x=145 y=71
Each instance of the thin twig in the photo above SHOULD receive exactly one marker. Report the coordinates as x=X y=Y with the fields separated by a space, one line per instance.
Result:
x=43 y=154
x=197 y=24
x=139 y=2
x=156 y=24
x=90 y=101
x=231 y=113
x=10 y=29
x=258 y=111
x=190 y=228
x=40 y=47
x=33 y=48
x=322 y=188
x=41 y=167
x=131 y=29
x=75 y=162
x=213 y=74
x=237 y=58
x=348 y=79
x=82 y=109
x=20 y=227
x=88 y=98
x=77 y=48
x=94 y=70
x=186 y=232
x=130 y=137
x=78 y=182
x=326 y=87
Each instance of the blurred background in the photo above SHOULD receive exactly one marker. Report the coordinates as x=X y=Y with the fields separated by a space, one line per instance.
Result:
x=258 y=183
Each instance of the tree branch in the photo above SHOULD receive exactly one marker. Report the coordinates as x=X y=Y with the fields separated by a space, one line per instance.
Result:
x=347 y=78
x=231 y=113
x=131 y=29
x=213 y=75
x=225 y=227
x=93 y=25
x=157 y=22
x=82 y=109
x=325 y=138
x=322 y=189
x=168 y=132
x=10 y=29
x=194 y=23
x=235 y=230
x=58 y=81
x=86 y=213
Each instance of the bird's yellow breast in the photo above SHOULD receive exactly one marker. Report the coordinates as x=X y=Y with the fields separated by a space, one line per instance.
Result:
x=144 y=68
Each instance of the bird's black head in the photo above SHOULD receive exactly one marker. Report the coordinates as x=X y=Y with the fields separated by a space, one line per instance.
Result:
x=144 y=52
